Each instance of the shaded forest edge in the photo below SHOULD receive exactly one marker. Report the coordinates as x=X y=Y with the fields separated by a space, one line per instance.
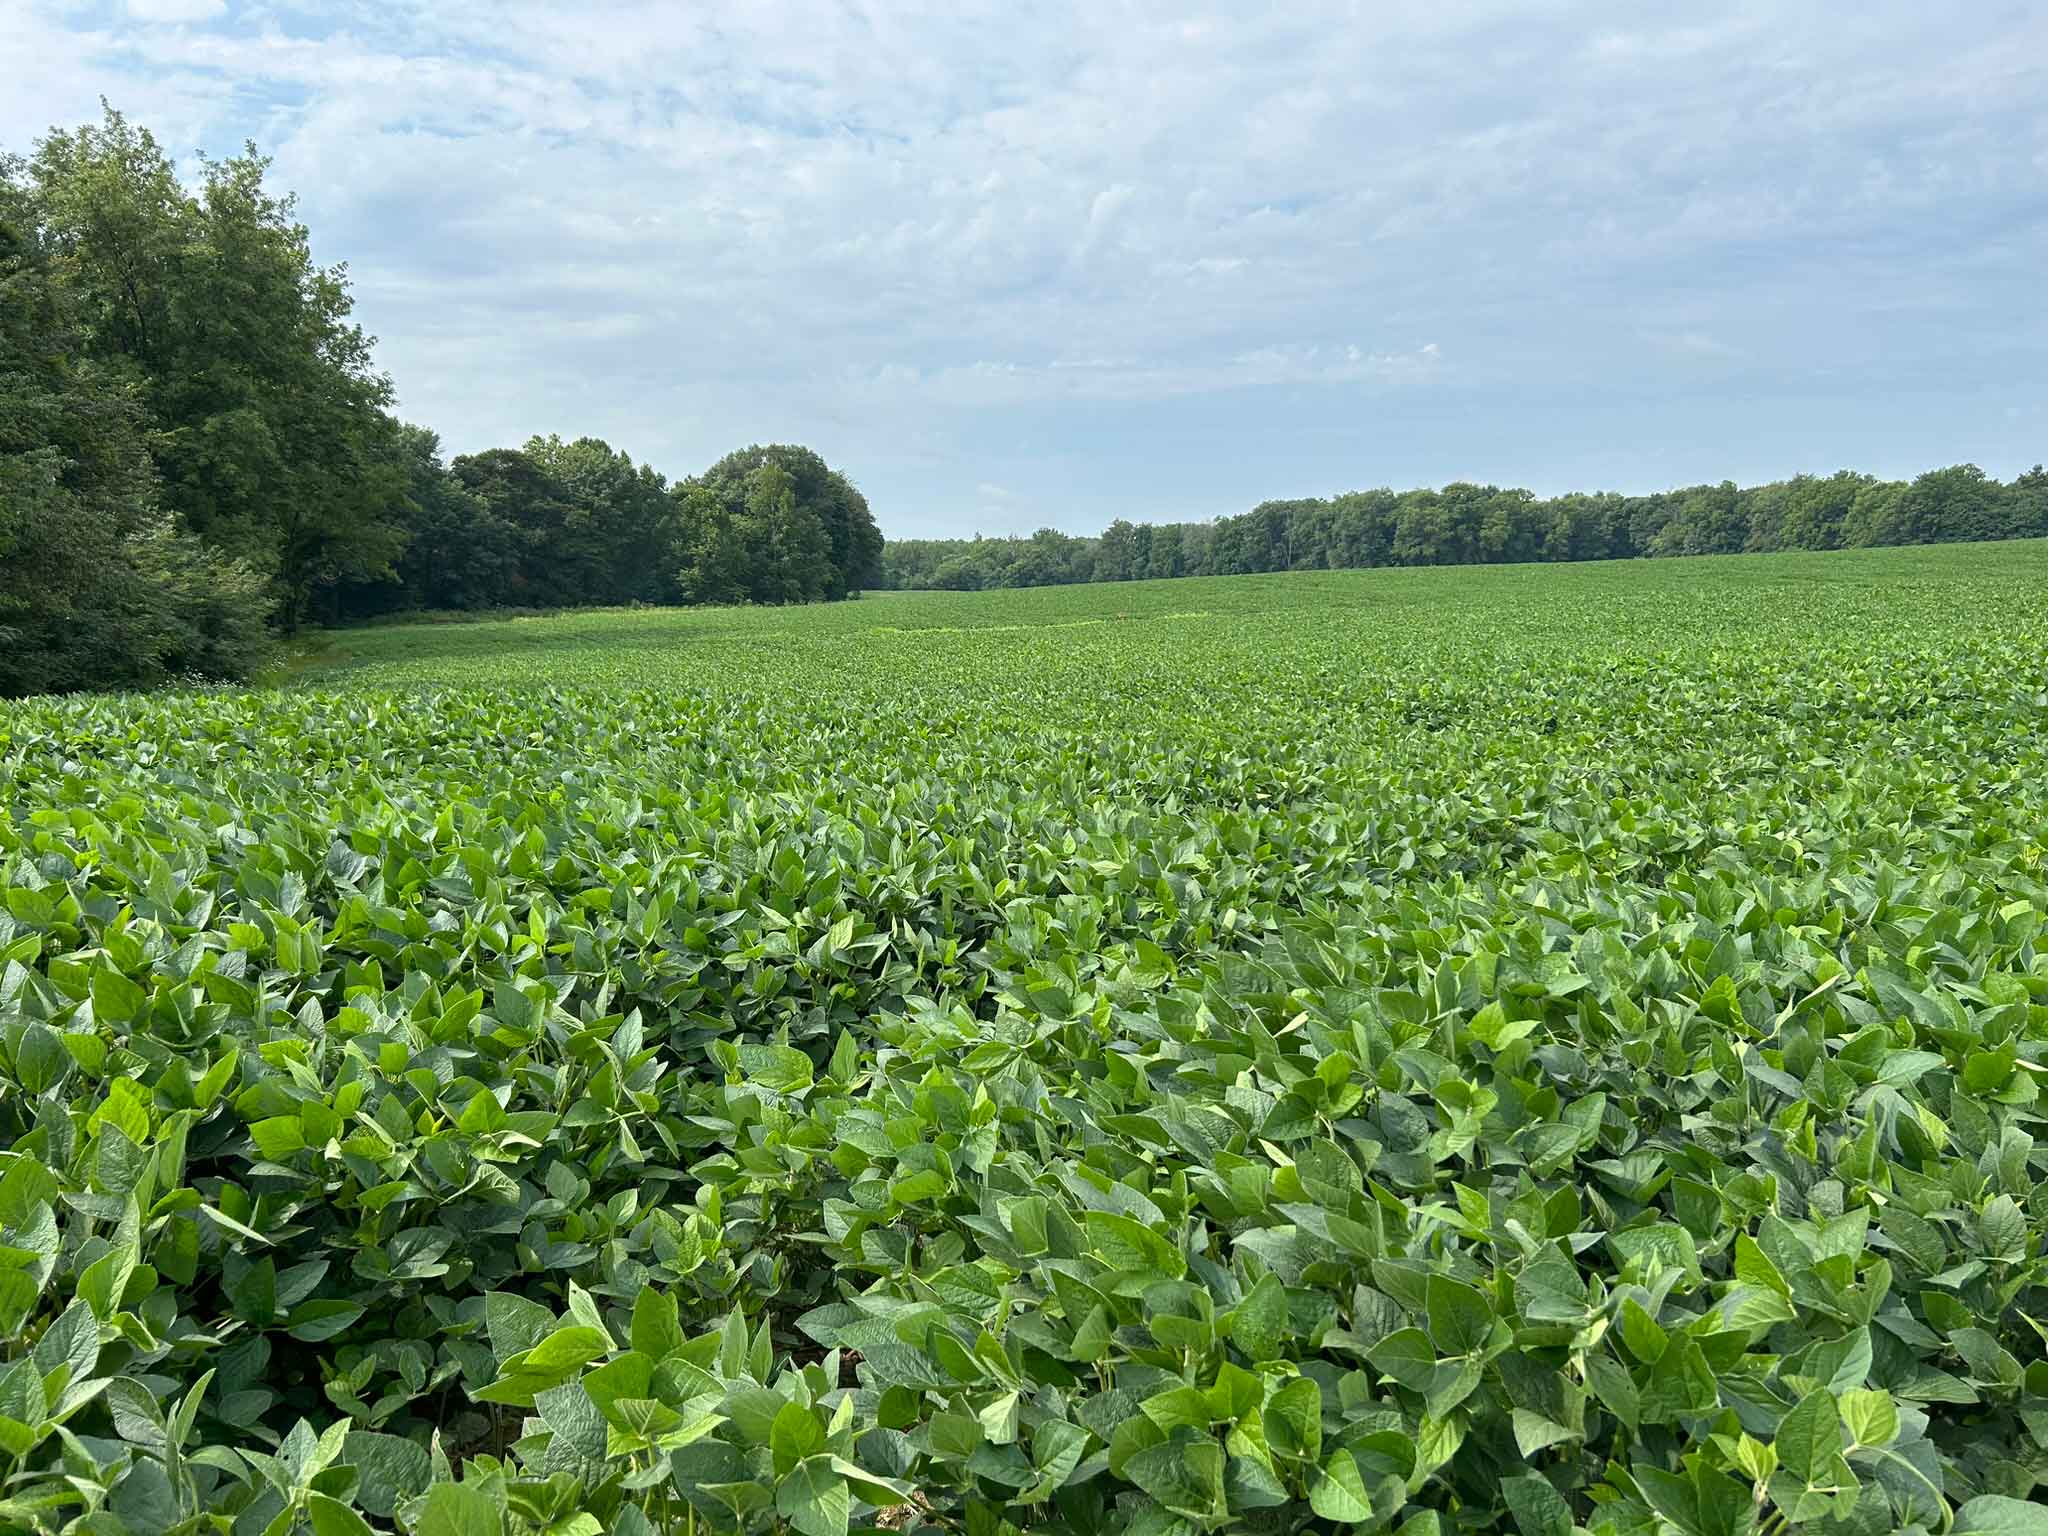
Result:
x=1464 y=524
x=198 y=455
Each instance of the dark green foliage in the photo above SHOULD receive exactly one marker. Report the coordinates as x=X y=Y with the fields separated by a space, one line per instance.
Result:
x=518 y=494
x=194 y=441
x=269 y=434
x=776 y=524
x=1466 y=524
x=1533 y=1050
x=624 y=518
x=97 y=586
x=463 y=553
x=579 y=524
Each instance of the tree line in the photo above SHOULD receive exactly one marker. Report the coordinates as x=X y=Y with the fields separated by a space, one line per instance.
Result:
x=197 y=451
x=1465 y=524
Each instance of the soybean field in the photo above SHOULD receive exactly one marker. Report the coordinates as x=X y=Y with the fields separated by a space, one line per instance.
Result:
x=1515 y=1049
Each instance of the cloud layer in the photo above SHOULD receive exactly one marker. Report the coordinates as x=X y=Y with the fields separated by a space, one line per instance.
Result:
x=1146 y=260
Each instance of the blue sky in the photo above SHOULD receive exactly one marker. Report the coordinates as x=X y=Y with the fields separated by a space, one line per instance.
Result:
x=1015 y=266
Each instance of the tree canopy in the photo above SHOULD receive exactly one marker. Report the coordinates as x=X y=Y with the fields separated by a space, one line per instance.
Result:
x=269 y=432
x=198 y=451
x=196 y=447
x=98 y=585
x=1464 y=524
x=815 y=534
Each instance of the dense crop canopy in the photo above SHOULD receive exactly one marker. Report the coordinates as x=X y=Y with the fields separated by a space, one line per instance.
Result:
x=1511 y=1050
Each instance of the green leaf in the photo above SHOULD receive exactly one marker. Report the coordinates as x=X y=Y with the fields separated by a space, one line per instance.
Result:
x=1872 y=1416
x=1460 y=1317
x=1339 y=1493
x=1754 y=1267
x=456 y=1509
x=732 y=1345
x=1656 y=1248
x=778 y=1068
x=814 y=1498
x=1129 y=1245
x=1492 y=1027
x=1178 y=1408
x=144 y=1500
x=331 y=1517
x=1056 y=1448
x=998 y=1419
x=1550 y=1289
x=954 y=1435
x=577 y=1424
x=879 y=1492
x=318 y=1320
x=1408 y=1357
x=1538 y=1508
x=115 y=998
x=1810 y=1436
x=657 y=1329
x=1675 y=1498
x=106 y=1279
x=389 y=1468
x=1533 y=1431
x=1991 y=1514
x=1185 y=1476
x=279 y=1136
x=795 y=1435
x=565 y=1349
x=1259 y=1322
x=126 y=1110
x=515 y=1324
x=179 y=1430
x=1092 y=1338
x=40 y=1060
x=1840 y=1364
x=2002 y=1226
x=73 y=1339
x=1294 y=1421
x=1437 y=1441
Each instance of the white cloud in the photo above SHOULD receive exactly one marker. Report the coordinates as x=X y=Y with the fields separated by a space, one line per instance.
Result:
x=926 y=235
x=996 y=383
x=176 y=10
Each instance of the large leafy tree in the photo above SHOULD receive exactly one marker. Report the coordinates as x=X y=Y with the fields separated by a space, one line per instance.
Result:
x=793 y=553
x=620 y=533
x=1956 y=503
x=853 y=541
x=270 y=437
x=2028 y=496
x=751 y=541
x=551 y=566
x=97 y=586
x=1466 y=522
x=1707 y=519
x=195 y=440
x=1814 y=510
x=462 y=554
x=1118 y=559
x=711 y=545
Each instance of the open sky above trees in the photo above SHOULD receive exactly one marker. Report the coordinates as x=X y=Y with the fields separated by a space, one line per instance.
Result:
x=1154 y=263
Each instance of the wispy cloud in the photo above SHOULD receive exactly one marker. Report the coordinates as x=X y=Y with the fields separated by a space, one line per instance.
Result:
x=176 y=10
x=1691 y=343
x=1141 y=260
